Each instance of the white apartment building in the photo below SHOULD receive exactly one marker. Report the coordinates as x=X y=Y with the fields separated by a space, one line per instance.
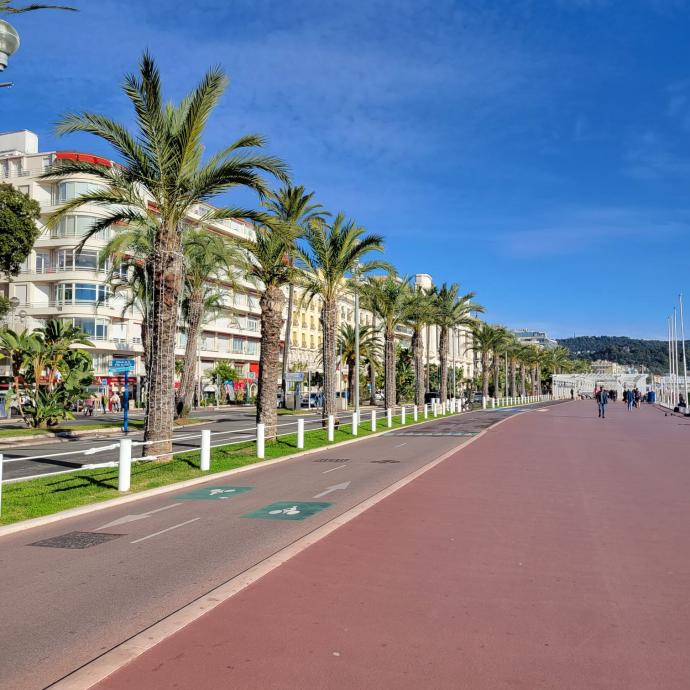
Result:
x=57 y=282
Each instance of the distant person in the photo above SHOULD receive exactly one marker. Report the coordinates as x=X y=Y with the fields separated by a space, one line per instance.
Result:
x=602 y=401
x=628 y=398
x=572 y=394
x=637 y=396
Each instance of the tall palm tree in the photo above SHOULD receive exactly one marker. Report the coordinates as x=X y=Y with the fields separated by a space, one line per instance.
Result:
x=332 y=250
x=513 y=348
x=269 y=266
x=419 y=314
x=557 y=359
x=451 y=310
x=368 y=350
x=484 y=339
x=388 y=298
x=501 y=344
x=294 y=208
x=209 y=259
x=162 y=177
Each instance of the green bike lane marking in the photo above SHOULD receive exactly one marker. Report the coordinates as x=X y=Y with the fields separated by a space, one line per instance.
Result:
x=215 y=493
x=288 y=510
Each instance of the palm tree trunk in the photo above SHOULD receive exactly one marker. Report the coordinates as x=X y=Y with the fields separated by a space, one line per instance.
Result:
x=497 y=375
x=389 y=363
x=330 y=319
x=271 y=303
x=427 y=376
x=185 y=393
x=351 y=381
x=372 y=370
x=418 y=356
x=512 y=378
x=286 y=346
x=167 y=287
x=523 y=380
x=485 y=374
x=538 y=368
x=443 y=363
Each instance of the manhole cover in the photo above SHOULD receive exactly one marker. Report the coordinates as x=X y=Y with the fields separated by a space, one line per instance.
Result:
x=76 y=540
x=332 y=460
x=383 y=462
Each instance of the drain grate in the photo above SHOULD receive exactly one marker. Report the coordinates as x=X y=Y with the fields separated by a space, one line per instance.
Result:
x=332 y=460
x=384 y=462
x=77 y=540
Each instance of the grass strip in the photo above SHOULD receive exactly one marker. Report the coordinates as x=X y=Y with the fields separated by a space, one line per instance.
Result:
x=133 y=423
x=51 y=494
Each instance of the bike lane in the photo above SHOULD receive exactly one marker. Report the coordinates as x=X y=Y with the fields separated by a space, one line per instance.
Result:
x=545 y=555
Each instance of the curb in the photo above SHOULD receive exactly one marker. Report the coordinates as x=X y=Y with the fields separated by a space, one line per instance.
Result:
x=148 y=493
x=109 y=662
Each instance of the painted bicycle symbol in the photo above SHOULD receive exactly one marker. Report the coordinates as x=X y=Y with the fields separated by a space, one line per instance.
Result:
x=215 y=492
x=285 y=511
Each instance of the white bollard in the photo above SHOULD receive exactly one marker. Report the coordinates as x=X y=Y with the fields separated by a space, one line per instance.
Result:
x=373 y=420
x=483 y=402
x=124 y=473
x=205 y=460
x=402 y=414
x=426 y=411
x=415 y=413
x=331 y=428
x=260 y=440
x=434 y=409
x=493 y=403
x=389 y=417
x=300 y=433
x=355 y=423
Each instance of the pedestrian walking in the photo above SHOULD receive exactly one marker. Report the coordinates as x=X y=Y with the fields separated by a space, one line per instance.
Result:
x=602 y=401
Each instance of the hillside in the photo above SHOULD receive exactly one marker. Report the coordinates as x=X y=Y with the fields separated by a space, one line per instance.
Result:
x=651 y=354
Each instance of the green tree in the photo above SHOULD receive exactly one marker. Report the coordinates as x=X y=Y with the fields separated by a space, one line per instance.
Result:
x=268 y=266
x=388 y=297
x=16 y=346
x=451 y=310
x=163 y=176
x=18 y=229
x=368 y=350
x=404 y=375
x=332 y=251
x=485 y=339
x=58 y=338
x=419 y=314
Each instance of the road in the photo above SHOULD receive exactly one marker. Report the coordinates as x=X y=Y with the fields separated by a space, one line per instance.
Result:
x=61 y=607
x=240 y=423
x=553 y=553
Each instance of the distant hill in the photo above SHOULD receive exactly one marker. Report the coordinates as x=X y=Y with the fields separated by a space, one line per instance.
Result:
x=651 y=354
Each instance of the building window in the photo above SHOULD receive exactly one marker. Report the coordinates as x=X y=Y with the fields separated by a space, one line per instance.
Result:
x=71 y=190
x=81 y=292
x=311 y=341
x=237 y=344
x=304 y=340
x=94 y=328
x=251 y=347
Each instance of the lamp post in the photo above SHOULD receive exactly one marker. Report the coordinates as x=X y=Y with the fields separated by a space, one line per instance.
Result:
x=9 y=42
x=355 y=276
x=14 y=303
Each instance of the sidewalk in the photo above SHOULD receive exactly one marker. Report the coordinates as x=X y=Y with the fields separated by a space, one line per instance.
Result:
x=552 y=553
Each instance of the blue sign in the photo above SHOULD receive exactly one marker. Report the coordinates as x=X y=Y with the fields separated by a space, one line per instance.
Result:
x=122 y=364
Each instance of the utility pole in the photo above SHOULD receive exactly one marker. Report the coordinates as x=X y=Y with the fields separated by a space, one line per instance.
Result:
x=685 y=363
x=355 y=277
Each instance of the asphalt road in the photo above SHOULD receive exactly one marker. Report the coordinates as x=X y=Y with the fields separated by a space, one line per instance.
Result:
x=239 y=423
x=61 y=607
x=553 y=554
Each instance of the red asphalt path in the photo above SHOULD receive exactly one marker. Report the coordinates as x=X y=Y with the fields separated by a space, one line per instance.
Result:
x=552 y=553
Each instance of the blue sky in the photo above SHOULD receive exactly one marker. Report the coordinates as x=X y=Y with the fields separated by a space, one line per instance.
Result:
x=537 y=152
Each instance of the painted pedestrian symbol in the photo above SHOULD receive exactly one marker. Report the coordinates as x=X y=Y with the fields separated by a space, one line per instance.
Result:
x=215 y=493
x=288 y=510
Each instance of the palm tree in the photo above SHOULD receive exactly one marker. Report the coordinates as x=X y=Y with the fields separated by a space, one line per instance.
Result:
x=484 y=339
x=388 y=298
x=419 y=314
x=558 y=358
x=450 y=311
x=161 y=179
x=209 y=259
x=501 y=344
x=6 y=8
x=15 y=345
x=58 y=337
x=293 y=208
x=268 y=265
x=333 y=249
x=513 y=349
x=368 y=350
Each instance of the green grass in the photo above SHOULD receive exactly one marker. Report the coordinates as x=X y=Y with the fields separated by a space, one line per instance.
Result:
x=51 y=494
x=133 y=423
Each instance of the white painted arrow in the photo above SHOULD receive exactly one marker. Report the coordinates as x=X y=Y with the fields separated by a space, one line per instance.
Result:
x=335 y=487
x=133 y=518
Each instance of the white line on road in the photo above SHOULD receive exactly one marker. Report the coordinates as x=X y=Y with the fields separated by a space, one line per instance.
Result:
x=401 y=445
x=163 y=531
x=133 y=518
x=333 y=469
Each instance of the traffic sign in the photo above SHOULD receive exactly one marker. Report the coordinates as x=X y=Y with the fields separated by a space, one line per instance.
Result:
x=294 y=376
x=288 y=510
x=122 y=364
x=215 y=493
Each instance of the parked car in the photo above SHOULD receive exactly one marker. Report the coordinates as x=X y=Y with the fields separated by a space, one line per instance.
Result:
x=311 y=400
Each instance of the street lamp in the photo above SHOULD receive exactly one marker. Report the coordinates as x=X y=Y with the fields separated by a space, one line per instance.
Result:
x=355 y=275
x=14 y=303
x=9 y=42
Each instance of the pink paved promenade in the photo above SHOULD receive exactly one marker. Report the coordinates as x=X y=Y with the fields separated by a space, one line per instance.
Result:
x=552 y=553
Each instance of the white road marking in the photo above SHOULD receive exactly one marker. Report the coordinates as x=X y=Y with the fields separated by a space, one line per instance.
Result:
x=331 y=489
x=333 y=469
x=133 y=518
x=401 y=445
x=163 y=531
